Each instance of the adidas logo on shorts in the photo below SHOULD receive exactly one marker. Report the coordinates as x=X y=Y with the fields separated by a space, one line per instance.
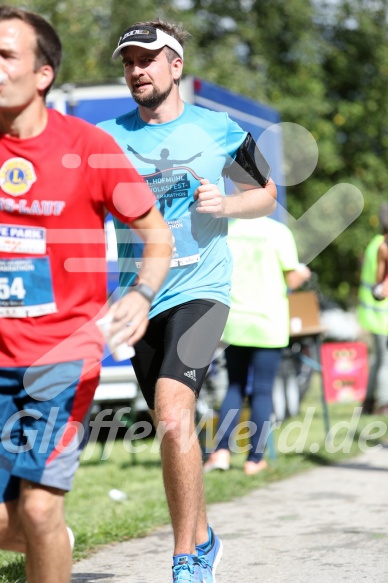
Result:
x=191 y=375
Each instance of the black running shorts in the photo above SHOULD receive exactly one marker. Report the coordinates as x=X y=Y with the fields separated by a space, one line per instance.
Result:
x=179 y=344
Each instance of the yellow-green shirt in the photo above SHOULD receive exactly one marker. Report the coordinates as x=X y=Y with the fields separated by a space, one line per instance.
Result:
x=372 y=314
x=262 y=249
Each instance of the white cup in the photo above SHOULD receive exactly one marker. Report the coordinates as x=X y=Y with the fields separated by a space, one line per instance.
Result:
x=117 y=495
x=121 y=352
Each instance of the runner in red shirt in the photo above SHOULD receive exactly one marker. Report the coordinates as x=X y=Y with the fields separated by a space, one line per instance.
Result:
x=59 y=176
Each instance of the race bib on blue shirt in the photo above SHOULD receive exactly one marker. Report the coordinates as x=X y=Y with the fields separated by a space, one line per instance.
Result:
x=185 y=251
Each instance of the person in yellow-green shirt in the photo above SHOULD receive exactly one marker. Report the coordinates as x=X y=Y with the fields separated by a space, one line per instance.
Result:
x=373 y=315
x=265 y=266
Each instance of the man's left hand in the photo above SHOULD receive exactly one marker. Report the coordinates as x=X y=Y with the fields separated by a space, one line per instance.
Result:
x=209 y=199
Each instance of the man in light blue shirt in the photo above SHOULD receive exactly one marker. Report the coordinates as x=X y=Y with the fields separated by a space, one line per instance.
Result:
x=183 y=152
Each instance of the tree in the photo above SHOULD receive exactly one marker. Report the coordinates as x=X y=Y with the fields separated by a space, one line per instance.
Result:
x=324 y=66
x=355 y=66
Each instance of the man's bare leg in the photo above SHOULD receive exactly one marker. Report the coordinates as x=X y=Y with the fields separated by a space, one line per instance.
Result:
x=182 y=464
x=202 y=534
x=48 y=552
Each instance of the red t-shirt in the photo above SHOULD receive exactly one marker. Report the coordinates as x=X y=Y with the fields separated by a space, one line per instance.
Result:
x=55 y=189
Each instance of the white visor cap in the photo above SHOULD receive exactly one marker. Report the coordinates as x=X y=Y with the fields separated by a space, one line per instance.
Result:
x=148 y=37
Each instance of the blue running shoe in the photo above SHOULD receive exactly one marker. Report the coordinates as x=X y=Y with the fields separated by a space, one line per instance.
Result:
x=187 y=569
x=209 y=556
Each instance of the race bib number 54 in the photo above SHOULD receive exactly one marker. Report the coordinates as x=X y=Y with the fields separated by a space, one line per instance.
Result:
x=26 y=288
x=12 y=288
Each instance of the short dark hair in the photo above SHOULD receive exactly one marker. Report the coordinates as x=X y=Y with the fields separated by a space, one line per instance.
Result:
x=48 y=50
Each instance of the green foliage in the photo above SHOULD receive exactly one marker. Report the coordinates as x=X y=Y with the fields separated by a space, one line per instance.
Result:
x=324 y=65
x=356 y=72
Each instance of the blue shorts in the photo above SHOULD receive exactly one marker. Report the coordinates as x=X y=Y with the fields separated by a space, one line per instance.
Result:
x=44 y=415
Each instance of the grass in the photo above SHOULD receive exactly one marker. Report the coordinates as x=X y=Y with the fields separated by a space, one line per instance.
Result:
x=301 y=444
